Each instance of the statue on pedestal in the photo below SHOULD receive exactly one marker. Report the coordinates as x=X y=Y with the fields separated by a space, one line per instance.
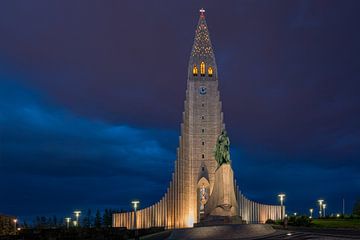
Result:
x=222 y=149
x=222 y=204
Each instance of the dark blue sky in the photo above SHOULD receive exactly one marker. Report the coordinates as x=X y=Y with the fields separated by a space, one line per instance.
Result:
x=91 y=99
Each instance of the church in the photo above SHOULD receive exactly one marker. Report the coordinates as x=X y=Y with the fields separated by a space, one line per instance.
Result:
x=193 y=182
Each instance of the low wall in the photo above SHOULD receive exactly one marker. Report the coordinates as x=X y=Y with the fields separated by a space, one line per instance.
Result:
x=161 y=214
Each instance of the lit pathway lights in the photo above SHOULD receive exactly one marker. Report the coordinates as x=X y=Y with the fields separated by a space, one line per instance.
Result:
x=15 y=222
x=311 y=212
x=77 y=215
x=324 y=207
x=320 y=201
x=282 y=197
x=135 y=204
x=68 y=220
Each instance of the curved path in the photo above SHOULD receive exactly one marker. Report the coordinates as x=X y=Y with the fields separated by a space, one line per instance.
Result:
x=254 y=231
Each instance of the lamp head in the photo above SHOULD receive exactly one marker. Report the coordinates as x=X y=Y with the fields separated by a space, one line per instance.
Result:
x=77 y=213
x=281 y=196
x=135 y=203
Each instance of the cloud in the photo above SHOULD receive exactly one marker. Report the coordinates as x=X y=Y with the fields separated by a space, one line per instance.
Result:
x=51 y=153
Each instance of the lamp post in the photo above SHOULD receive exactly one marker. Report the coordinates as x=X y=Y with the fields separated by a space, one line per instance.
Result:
x=77 y=215
x=324 y=207
x=15 y=221
x=320 y=201
x=282 y=197
x=67 y=222
x=135 y=204
x=311 y=212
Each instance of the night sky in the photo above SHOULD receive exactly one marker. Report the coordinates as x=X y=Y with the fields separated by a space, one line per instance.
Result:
x=92 y=92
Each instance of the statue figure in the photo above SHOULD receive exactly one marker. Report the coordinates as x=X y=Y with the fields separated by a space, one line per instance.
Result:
x=222 y=149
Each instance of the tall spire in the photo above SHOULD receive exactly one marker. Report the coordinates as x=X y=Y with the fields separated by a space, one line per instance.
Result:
x=202 y=50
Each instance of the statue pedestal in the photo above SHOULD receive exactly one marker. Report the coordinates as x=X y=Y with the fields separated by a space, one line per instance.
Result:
x=222 y=204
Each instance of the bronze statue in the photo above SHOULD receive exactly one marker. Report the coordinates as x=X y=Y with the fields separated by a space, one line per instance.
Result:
x=222 y=149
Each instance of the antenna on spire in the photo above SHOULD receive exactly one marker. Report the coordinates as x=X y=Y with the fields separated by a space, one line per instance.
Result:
x=202 y=12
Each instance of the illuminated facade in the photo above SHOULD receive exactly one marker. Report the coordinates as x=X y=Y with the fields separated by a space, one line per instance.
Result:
x=193 y=179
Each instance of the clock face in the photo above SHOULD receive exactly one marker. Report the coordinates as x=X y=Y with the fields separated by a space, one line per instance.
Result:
x=202 y=90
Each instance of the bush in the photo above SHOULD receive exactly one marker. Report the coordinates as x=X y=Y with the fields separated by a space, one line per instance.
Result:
x=270 y=221
x=300 y=221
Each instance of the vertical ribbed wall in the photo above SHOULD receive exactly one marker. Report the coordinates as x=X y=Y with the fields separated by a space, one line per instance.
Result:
x=253 y=212
x=163 y=213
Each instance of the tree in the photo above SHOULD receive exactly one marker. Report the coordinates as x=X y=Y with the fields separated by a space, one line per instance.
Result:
x=25 y=224
x=98 y=219
x=356 y=209
x=54 y=222
x=43 y=222
x=37 y=222
x=107 y=218
x=88 y=219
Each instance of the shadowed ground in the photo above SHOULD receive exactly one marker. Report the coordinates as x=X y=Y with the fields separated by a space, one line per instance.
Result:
x=255 y=231
x=223 y=232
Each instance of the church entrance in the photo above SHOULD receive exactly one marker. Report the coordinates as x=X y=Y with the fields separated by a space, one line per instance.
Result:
x=203 y=192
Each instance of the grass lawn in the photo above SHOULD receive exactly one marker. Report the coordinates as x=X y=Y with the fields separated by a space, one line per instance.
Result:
x=337 y=223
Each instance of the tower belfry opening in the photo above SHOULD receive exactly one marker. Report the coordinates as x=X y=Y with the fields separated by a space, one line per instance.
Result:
x=193 y=179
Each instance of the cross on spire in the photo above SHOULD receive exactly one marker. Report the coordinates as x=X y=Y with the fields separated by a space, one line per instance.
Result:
x=202 y=12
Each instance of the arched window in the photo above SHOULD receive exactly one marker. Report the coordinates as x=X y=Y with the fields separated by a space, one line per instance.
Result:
x=202 y=69
x=210 y=71
x=195 y=71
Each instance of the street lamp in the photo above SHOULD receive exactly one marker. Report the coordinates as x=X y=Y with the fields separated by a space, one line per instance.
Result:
x=135 y=204
x=67 y=222
x=311 y=212
x=324 y=207
x=15 y=221
x=77 y=215
x=320 y=201
x=282 y=197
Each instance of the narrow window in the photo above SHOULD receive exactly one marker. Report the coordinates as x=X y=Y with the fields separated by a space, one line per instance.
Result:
x=195 y=71
x=202 y=105
x=210 y=71
x=202 y=69
x=203 y=143
x=203 y=169
x=203 y=156
x=202 y=117
x=203 y=130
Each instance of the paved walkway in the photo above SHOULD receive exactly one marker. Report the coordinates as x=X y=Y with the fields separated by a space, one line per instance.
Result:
x=246 y=232
x=323 y=234
x=224 y=232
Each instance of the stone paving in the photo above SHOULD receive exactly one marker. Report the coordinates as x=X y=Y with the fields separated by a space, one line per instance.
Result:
x=282 y=234
x=260 y=231
x=223 y=232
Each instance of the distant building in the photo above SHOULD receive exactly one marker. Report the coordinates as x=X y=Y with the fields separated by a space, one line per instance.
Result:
x=7 y=225
x=193 y=180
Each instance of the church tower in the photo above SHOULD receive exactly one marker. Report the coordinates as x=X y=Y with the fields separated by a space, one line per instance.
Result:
x=202 y=124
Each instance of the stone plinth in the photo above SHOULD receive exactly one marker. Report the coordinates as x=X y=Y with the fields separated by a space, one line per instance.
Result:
x=222 y=202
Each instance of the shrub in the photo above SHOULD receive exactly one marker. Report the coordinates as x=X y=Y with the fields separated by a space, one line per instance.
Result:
x=300 y=221
x=270 y=221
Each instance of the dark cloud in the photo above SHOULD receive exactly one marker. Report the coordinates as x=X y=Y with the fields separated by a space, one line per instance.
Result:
x=53 y=156
x=95 y=110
